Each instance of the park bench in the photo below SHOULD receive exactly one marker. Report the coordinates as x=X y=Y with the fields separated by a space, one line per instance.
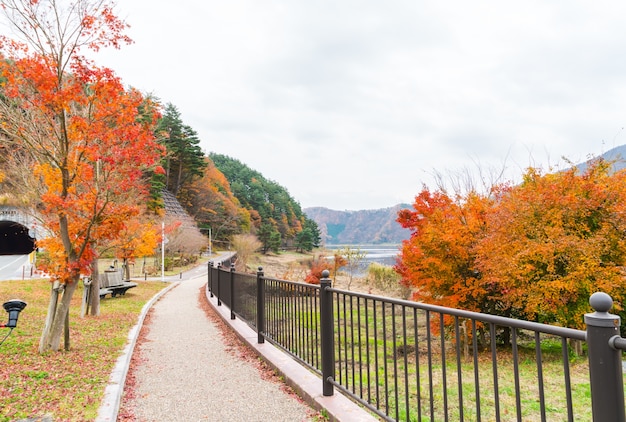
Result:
x=111 y=283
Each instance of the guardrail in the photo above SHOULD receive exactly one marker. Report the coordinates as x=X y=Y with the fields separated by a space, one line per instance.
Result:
x=412 y=361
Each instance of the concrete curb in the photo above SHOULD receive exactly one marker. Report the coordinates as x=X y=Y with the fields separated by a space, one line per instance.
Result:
x=307 y=384
x=110 y=406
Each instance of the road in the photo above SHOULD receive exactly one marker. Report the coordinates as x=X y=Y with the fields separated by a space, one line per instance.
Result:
x=17 y=267
x=14 y=267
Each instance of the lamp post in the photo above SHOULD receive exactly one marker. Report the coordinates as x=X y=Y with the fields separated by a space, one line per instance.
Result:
x=163 y=251
x=13 y=308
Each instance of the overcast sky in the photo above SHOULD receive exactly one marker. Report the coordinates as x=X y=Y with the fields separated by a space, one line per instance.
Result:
x=353 y=104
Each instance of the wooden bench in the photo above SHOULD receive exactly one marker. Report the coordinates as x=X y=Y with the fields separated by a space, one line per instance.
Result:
x=111 y=283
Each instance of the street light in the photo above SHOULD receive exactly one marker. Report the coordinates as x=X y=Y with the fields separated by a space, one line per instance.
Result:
x=13 y=307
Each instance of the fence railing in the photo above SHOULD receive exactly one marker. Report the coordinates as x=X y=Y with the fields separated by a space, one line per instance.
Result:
x=408 y=361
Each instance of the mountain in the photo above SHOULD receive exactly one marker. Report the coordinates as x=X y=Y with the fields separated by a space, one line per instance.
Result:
x=379 y=226
x=615 y=155
x=359 y=227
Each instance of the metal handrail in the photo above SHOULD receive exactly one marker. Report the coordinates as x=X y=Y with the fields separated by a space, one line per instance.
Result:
x=332 y=331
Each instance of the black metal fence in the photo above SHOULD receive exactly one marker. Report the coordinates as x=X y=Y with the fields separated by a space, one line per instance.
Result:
x=408 y=361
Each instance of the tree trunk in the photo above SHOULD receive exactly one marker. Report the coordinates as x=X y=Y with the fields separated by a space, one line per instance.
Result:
x=66 y=332
x=126 y=267
x=178 y=179
x=53 y=341
x=94 y=292
x=576 y=347
x=52 y=307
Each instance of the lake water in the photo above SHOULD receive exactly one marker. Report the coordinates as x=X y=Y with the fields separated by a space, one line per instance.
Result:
x=385 y=255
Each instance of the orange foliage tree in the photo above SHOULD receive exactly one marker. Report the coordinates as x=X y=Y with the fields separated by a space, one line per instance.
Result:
x=535 y=251
x=554 y=240
x=438 y=260
x=212 y=204
x=139 y=237
x=318 y=266
x=92 y=140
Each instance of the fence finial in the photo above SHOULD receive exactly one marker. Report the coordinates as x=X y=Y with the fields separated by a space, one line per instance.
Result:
x=601 y=302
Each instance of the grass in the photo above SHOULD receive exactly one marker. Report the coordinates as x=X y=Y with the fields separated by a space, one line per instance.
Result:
x=377 y=340
x=369 y=364
x=67 y=386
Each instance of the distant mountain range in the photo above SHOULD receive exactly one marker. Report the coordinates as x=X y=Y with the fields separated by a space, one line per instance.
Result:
x=365 y=227
x=371 y=227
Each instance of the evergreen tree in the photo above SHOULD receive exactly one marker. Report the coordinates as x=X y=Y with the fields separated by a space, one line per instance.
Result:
x=274 y=242
x=316 y=235
x=304 y=240
x=264 y=235
x=185 y=160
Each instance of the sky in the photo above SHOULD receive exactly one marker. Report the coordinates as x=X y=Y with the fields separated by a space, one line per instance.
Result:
x=358 y=104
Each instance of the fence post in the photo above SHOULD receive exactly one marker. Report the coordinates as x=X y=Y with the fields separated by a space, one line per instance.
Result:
x=260 y=306
x=605 y=363
x=327 y=334
x=210 y=283
x=219 y=272
x=232 y=290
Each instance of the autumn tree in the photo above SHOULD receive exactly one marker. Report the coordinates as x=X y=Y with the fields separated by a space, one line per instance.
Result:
x=554 y=240
x=339 y=261
x=184 y=238
x=91 y=140
x=209 y=200
x=535 y=251
x=138 y=238
x=439 y=261
x=319 y=264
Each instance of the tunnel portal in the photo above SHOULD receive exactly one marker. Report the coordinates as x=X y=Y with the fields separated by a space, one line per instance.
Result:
x=14 y=239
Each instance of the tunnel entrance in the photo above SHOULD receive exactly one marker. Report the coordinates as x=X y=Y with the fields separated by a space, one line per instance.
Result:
x=14 y=239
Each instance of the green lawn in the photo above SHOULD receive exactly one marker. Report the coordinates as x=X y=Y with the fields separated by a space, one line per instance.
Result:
x=67 y=386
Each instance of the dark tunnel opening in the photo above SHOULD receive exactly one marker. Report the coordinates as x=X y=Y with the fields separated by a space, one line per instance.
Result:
x=14 y=239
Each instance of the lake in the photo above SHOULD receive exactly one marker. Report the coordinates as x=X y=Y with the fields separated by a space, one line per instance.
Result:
x=382 y=254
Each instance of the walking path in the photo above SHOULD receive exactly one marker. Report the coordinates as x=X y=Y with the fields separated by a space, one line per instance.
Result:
x=187 y=373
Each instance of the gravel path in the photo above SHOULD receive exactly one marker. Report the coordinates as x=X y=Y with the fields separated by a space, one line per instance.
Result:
x=185 y=370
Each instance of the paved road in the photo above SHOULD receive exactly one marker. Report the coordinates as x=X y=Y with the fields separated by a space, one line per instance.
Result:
x=14 y=267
